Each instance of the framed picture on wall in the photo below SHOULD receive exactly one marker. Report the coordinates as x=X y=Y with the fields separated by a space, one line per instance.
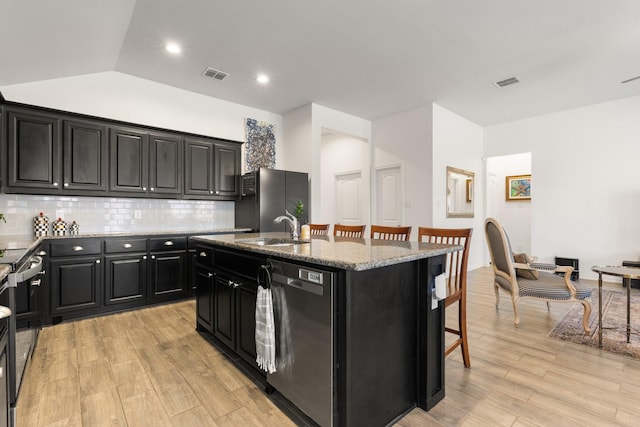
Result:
x=518 y=187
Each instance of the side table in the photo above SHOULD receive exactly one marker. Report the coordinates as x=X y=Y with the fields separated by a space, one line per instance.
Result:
x=627 y=273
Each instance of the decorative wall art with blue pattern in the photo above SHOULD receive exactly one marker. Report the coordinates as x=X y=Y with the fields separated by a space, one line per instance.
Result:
x=261 y=145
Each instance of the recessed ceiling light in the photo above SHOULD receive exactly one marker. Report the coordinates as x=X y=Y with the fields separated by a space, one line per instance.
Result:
x=262 y=78
x=173 y=48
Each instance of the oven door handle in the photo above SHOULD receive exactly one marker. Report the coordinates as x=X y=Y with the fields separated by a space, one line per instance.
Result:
x=23 y=276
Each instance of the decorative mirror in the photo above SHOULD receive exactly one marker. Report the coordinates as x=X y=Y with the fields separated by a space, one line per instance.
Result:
x=459 y=193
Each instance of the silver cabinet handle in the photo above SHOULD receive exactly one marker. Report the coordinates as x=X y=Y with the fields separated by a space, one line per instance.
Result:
x=77 y=248
x=42 y=253
x=144 y=188
x=36 y=282
x=217 y=192
x=144 y=257
x=236 y=285
x=203 y=254
x=55 y=184
x=209 y=274
x=153 y=257
x=153 y=189
x=168 y=243
x=97 y=261
x=66 y=184
x=230 y=283
x=127 y=245
x=211 y=192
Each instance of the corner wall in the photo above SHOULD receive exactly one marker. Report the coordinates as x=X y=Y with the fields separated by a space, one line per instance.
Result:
x=585 y=181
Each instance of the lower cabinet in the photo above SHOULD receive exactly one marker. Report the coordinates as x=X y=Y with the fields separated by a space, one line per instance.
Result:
x=168 y=273
x=226 y=300
x=76 y=283
x=125 y=278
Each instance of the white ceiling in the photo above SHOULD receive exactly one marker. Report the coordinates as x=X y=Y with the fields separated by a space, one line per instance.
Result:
x=368 y=58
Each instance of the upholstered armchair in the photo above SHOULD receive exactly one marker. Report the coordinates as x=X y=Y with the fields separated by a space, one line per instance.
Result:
x=525 y=279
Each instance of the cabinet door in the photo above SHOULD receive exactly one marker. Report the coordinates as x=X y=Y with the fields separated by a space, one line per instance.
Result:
x=75 y=284
x=168 y=273
x=227 y=169
x=224 y=310
x=246 y=321
x=128 y=159
x=84 y=155
x=33 y=149
x=125 y=278
x=198 y=167
x=204 y=297
x=165 y=164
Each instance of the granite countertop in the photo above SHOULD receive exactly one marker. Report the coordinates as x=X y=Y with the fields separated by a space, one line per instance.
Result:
x=340 y=252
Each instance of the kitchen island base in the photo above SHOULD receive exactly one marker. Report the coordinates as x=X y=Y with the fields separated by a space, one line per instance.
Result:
x=387 y=338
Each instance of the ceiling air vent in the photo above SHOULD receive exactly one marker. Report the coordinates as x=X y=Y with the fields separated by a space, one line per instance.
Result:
x=214 y=74
x=506 y=82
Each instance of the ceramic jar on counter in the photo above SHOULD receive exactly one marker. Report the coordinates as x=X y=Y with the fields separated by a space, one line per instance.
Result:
x=59 y=227
x=41 y=225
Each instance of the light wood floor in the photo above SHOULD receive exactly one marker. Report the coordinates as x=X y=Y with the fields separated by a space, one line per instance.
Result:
x=149 y=367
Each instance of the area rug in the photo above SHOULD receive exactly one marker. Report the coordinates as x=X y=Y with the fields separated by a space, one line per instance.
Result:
x=614 y=320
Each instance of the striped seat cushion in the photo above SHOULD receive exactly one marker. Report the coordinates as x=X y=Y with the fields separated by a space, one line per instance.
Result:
x=550 y=286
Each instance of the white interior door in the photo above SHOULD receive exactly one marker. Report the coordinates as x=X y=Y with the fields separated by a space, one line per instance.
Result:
x=389 y=194
x=348 y=206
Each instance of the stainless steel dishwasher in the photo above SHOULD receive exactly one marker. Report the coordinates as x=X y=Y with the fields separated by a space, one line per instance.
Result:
x=302 y=299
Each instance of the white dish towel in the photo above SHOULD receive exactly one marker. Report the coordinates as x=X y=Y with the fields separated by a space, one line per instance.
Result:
x=265 y=331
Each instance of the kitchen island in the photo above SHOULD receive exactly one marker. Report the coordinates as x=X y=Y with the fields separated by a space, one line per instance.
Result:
x=375 y=318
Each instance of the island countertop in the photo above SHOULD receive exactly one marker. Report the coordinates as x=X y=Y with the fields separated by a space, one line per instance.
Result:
x=339 y=252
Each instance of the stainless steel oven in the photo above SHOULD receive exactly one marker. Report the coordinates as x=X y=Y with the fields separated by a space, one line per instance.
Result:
x=21 y=340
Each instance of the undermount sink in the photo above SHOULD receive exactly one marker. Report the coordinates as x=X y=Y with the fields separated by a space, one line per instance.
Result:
x=273 y=241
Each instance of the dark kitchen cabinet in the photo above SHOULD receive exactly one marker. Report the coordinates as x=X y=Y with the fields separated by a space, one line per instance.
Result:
x=168 y=267
x=76 y=283
x=234 y=301
x=165 y=164
x=126 y=270
x=204 y=283
x=85 y=156
x=48 y=151
x=212 y=169
x=227 y=169
x=33 y=156
x=128 y=159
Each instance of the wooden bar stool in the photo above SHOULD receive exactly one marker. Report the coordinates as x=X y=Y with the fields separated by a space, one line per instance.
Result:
x=319 y=229
x=390 y=233
x=356 y=231
x=456 y=277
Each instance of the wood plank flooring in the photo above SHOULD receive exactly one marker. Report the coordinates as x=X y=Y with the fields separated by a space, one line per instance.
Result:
x=150 y=368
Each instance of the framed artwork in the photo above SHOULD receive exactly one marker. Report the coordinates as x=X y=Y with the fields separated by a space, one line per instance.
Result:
x=518 y=187
x=469 y=190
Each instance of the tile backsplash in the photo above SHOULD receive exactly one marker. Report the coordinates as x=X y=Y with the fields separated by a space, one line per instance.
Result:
x=114 y=215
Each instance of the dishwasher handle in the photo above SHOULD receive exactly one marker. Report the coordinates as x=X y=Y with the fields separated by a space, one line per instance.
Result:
x=303 y=285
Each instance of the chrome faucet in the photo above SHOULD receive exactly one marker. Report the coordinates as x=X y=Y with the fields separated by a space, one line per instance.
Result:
x=293 y=223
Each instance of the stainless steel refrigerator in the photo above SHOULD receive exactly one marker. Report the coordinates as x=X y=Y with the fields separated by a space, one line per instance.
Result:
x=266 y=193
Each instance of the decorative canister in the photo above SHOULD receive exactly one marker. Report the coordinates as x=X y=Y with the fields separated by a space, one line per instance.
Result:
x=59 y=227
x=41 y=225
x=74 y=228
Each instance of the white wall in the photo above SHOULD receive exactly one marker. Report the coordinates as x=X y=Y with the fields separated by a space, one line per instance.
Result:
x=341 y=153
x=405 y=139
x=585 y=180
x=515 y=216
x=303 y=133
x=458 y=142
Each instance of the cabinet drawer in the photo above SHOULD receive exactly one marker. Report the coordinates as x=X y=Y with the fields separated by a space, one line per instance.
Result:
x=72 y=247
x=167 y=243
x=125 y=245
x=204 y=255
x=239 y=264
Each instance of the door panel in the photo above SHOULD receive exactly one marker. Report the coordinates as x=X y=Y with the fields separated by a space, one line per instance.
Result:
x=84 y=157
x=349 y=199
x=389 y=194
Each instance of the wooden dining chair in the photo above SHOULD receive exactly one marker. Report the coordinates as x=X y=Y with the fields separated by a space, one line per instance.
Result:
x=390 y=233
x=356 y=231
x=456 y=280
x=319 y=229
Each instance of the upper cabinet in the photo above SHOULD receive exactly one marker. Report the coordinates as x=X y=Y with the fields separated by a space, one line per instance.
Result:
x=51 y=152
x=212 y=169
x=33 y=157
